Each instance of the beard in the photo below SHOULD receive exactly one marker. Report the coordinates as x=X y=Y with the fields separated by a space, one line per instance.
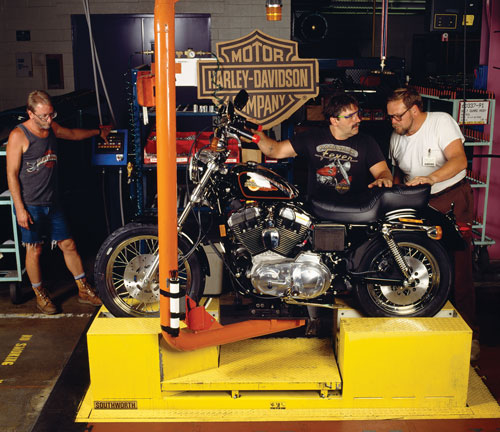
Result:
x=400 y=130
x=42 y=125
x=403 y=130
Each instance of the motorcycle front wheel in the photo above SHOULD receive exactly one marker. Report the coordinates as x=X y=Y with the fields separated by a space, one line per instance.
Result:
x=122 y=262
x=430 y=267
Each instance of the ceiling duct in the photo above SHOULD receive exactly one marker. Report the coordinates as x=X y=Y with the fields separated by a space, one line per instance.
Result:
x=363 y=7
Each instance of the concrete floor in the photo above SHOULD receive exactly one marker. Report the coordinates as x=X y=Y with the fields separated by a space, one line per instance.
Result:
x=35 y=348
x=42 y=388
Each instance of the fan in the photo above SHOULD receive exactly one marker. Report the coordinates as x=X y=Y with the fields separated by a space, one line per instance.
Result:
x=313 y=27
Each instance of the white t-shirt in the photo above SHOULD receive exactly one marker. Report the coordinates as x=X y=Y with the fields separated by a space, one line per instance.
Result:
x=422 y=153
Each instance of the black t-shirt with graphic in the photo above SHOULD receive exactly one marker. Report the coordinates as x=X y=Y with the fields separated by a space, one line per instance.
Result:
x=336 y=167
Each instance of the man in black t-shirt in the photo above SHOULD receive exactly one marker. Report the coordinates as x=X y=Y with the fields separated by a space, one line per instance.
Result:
x=339 y=158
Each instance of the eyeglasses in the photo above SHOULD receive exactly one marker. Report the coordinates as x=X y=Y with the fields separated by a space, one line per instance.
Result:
x=45 y=117
x=397 y=117
x=350 y=116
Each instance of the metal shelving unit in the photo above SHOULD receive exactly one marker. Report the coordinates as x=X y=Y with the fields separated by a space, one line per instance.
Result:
x=12 y=276
x=138 y=131
x=473 y=138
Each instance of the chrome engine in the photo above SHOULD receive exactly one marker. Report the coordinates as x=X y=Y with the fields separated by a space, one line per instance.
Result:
x=270 y=235
x=261 y=229
x=305 y=277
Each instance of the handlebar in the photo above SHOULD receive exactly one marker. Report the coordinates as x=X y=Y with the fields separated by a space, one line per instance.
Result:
x=240 y=122
x=252 y=125
x=249 y=136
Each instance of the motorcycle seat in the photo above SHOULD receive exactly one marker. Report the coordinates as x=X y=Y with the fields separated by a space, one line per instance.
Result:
x=372 y=205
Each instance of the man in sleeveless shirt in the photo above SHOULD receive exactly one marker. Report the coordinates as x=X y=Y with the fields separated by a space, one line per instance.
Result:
x=427 y=148
x=32 y=178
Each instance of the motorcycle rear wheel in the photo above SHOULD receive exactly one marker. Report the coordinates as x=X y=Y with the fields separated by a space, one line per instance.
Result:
x=121 y=263
x=431 y=268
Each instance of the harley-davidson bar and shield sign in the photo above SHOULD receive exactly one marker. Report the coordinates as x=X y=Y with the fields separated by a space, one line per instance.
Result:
x=269 y=69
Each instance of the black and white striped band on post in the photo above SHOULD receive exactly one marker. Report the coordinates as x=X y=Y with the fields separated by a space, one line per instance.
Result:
x=174 y=293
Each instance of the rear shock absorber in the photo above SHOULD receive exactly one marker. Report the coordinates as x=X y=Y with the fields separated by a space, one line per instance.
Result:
x=396 y=252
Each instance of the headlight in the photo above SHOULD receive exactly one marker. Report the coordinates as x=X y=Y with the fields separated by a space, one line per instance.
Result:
x=198 y=163
x=193 y=170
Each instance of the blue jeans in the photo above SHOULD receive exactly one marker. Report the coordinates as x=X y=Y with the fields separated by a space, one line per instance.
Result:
x=48 y=223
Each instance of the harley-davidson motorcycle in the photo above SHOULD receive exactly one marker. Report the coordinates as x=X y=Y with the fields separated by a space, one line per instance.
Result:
x=387 y=249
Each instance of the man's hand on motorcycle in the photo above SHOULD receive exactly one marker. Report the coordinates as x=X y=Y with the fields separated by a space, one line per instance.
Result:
x=381 y=182
x=420 y=180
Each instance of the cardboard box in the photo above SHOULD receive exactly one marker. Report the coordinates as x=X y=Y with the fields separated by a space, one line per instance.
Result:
x=314 y=113
x=251 y=155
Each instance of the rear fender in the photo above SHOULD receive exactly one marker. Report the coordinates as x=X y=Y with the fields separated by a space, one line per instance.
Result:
x=452 y=237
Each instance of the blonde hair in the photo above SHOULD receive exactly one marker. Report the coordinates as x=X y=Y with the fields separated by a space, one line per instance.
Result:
x=409 y=96
x=37 y=97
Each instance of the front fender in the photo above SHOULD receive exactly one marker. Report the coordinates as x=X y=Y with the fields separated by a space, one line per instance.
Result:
x=201 y=253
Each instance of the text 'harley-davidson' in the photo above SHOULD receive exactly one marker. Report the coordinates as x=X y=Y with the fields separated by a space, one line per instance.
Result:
x=282 y=254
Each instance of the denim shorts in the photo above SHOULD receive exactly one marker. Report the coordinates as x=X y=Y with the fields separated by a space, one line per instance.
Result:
x=49 y=223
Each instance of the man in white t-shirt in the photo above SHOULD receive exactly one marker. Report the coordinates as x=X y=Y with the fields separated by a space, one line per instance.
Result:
x=427 y=148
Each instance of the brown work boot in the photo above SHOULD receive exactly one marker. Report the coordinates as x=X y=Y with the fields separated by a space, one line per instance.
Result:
x=43 y=301
x=86 y=293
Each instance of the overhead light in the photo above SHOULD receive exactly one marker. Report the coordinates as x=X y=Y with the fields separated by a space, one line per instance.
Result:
x=273 y=10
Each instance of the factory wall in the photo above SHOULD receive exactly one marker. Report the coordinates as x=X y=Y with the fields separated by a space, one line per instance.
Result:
x=49 y=23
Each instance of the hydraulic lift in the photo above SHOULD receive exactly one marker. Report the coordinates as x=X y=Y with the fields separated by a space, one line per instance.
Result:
x=370 y=368
x=149 y=369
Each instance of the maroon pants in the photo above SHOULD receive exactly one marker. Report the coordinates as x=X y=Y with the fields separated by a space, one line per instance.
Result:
x=464 y=297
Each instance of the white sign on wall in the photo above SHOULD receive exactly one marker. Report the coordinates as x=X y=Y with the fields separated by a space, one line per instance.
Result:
x=24 y=65
x=476 y=112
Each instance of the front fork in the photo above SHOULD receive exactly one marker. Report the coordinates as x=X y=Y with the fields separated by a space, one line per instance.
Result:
x=195 y=197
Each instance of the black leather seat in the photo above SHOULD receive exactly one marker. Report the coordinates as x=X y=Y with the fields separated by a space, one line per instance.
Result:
x=372 y=205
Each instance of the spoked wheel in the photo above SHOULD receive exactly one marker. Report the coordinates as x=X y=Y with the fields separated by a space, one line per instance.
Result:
x=431 y=271
x=126 y=271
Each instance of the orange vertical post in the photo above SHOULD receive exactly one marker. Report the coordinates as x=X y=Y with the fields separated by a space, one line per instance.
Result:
x=164 y=27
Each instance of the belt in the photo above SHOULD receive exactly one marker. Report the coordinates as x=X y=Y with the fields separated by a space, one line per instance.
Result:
x=450 y=188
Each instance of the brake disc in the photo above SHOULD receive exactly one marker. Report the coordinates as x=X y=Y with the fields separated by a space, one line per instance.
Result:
x=402 y=295
x=146 y=291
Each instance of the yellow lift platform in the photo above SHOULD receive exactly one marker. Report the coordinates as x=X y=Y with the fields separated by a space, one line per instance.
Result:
x=371 y=368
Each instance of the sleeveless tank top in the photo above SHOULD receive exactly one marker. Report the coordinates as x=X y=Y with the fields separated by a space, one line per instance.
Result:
x=38 y=172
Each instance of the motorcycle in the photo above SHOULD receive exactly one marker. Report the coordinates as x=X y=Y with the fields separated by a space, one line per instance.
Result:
x=388 y=248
